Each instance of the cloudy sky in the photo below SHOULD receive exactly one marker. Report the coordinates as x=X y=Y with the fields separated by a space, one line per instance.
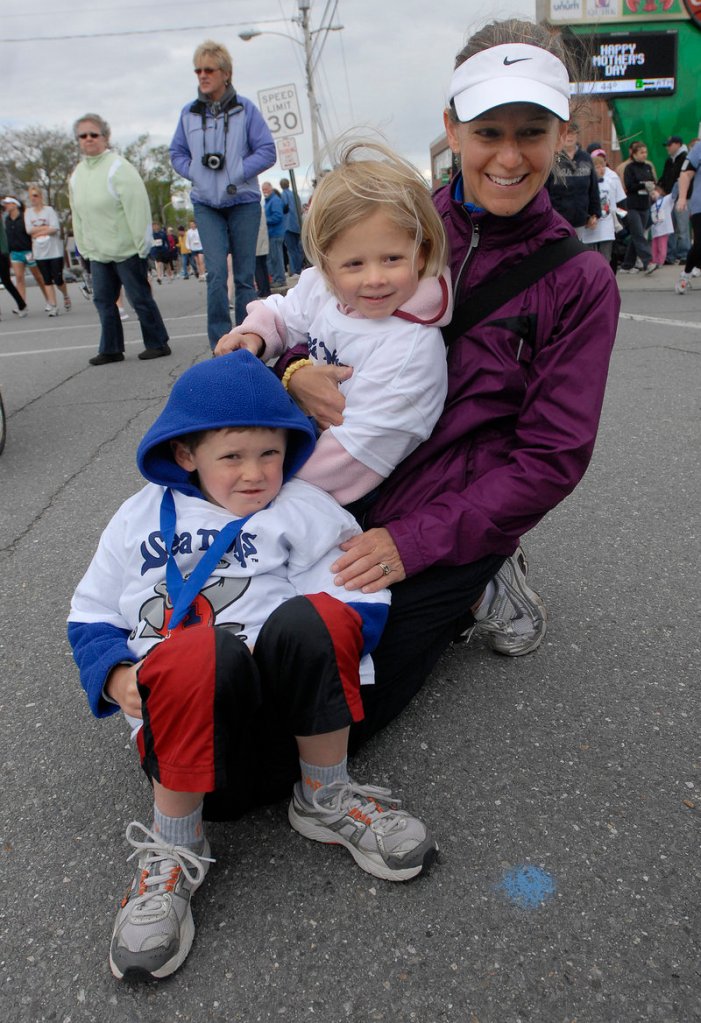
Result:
x=132 y=62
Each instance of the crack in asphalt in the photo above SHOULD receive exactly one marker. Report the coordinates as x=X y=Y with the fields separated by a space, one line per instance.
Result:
x=13 y=543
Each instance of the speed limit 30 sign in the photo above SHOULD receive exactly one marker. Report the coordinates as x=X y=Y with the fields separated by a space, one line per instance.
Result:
x=280 y=109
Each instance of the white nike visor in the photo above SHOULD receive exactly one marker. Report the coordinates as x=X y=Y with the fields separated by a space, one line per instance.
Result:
x=514 y=73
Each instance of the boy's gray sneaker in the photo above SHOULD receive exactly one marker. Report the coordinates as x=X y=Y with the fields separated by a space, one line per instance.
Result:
x=516 y=620
x=382 y=839
x=154 y=930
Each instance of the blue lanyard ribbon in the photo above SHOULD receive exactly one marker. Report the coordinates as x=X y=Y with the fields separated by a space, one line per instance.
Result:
x=181 y=591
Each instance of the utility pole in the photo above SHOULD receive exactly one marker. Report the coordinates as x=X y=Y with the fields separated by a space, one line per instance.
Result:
x=304 y=6
x=302 y=19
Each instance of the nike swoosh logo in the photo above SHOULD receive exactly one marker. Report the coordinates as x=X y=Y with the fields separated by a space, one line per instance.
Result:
x=508 y=63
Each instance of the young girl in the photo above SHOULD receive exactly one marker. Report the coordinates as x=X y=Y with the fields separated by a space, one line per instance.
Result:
x=374 y=301
x=601 y=237
x=661 y=225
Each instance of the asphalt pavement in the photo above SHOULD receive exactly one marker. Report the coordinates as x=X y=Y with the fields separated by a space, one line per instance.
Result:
x=563 y=787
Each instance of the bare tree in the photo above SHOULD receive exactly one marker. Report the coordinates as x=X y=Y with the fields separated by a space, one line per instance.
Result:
x=47 y=157
x=137 y=153
x=42 y=155
x=162 y=182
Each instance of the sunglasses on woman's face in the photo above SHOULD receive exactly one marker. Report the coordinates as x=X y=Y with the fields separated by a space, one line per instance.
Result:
x=89 y=135
x=206 y=70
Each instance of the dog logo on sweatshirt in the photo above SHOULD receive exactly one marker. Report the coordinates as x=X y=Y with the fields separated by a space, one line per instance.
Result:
x=156 y=612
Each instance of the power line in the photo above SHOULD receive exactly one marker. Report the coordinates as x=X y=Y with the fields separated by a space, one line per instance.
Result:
x=138 y=31
x=107 y=10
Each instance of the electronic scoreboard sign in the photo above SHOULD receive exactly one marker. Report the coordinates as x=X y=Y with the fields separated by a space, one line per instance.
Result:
x=619 y=64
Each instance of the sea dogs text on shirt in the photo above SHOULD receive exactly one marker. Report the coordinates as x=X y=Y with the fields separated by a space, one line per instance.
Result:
x=155 y=554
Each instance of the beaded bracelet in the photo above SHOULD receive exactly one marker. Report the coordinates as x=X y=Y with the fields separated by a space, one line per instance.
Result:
x=298 y=364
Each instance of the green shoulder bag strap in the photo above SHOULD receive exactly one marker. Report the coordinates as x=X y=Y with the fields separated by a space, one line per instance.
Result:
x=497 y=292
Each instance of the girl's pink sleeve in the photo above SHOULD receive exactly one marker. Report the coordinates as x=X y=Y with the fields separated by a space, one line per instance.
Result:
x=333 y=469
x=263 y=320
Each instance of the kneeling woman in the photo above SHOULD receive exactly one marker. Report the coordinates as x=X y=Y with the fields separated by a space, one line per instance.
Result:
x=526 y=383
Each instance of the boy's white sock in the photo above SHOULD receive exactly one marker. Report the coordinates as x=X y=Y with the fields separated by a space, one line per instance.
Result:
x=187 y=831
x=314 y=777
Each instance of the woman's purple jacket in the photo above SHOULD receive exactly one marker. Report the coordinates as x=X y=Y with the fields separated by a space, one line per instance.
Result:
x=524 y=396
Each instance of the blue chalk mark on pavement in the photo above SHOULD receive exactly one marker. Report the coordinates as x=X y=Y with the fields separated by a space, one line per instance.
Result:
x=528 y=886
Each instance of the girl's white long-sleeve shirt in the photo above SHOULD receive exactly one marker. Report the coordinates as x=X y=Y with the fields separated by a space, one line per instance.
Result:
x=398 y=386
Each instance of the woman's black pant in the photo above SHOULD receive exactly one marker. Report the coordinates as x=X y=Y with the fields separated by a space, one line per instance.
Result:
x=429 y=611
x=694 y=256
x=7 y=281
x=637 y=223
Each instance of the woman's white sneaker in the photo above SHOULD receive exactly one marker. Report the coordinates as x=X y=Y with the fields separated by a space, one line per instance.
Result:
x=515 y=623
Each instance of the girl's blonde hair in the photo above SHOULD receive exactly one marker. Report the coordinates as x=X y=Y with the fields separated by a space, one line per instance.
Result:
x=368 y=177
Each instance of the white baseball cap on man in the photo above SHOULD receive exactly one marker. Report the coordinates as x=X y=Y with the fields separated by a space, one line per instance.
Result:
x=510 y=73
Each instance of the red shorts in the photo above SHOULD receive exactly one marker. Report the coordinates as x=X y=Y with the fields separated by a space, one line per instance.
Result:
x=220 y=719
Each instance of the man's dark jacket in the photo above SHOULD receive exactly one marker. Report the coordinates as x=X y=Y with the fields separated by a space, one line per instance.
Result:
x=574 y=188
x=671 y=170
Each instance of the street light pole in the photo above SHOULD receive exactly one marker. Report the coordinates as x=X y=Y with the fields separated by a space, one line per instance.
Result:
x=304 y=6
x=302 y=19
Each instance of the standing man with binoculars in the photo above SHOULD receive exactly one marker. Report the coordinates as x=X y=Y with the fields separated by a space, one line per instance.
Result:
x=221 y=145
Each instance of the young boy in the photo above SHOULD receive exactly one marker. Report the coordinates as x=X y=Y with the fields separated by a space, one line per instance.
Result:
x=226 y=644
